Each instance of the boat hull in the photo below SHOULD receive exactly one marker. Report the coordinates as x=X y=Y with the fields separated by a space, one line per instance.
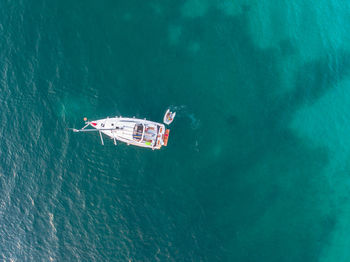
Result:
x=127 y=130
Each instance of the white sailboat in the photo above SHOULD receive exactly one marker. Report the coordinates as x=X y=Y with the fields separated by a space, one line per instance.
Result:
x=132 y=131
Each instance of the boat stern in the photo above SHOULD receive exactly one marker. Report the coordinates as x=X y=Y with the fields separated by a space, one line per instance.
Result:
x=162 y=137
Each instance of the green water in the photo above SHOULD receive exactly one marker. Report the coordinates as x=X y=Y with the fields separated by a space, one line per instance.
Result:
x=257 y=164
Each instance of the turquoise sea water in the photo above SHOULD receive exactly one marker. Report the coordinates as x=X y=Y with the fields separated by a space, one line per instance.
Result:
x=257 y=165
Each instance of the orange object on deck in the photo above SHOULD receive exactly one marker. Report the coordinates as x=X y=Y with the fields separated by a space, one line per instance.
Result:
x=166 y=137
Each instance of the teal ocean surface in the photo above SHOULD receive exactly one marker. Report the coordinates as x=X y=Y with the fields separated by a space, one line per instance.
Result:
x=257 y=166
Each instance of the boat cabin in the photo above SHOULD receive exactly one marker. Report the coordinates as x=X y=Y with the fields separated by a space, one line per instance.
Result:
x=146 y=134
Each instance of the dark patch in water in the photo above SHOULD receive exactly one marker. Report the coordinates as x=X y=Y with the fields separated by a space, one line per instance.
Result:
x=287 y=47
x=317 y=77
x=232 y=120
x=246 y=8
